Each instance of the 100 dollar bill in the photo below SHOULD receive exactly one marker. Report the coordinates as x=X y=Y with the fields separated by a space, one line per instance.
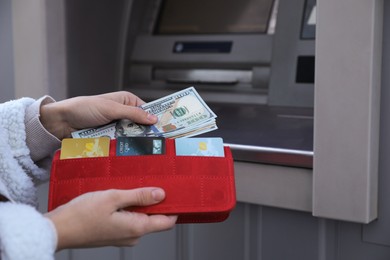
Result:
x=183 y=109
x=178 y=113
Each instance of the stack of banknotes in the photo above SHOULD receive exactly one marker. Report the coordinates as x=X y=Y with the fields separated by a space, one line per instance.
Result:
x=181 y=114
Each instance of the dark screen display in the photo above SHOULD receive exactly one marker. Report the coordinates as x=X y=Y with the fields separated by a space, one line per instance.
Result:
x=214 y=16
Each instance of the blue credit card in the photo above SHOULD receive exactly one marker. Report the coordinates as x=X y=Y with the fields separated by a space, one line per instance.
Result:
x=212 y=146
x=127 y=146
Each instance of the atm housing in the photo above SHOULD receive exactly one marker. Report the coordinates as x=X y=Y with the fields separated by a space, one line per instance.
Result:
x=259 y=82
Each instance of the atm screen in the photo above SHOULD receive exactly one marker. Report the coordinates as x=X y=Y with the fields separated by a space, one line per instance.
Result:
x=214 y=17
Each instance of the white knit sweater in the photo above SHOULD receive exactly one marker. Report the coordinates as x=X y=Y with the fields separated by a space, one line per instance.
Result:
x=25 y=150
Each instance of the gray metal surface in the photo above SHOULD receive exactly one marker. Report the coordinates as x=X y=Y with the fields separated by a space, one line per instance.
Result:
x=270 y=155
x=377 y=232
x=6 y=52
x=158 y=49
x=93 y=45
x=347 y=98
x=287 y=47
x=274 y=185
x=265 y=134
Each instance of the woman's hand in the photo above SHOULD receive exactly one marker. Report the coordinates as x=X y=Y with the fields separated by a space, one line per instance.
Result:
x=63 y=117
x=97 y=219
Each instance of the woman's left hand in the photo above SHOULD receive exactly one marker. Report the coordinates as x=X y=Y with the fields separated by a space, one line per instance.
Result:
x=63 y=117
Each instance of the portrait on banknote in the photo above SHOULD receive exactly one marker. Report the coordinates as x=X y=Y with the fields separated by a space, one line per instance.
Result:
x=127 y=128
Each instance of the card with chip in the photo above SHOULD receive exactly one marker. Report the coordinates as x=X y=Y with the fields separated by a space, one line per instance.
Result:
x=126 y=146
x=211 y=146
x=85 y=147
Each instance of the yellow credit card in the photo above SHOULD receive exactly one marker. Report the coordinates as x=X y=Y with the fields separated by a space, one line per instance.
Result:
x=85 y=147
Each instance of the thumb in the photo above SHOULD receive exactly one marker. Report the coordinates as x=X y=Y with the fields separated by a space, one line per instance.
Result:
x=139 y=197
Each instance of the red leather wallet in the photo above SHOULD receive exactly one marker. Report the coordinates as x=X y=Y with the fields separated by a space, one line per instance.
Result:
x=198 y=189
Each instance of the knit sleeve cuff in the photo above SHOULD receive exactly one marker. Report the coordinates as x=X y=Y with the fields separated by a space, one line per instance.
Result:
x=40 y=142
x=25 y=233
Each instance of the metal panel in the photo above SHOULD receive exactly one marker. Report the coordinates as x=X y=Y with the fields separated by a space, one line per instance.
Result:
x=351 y=245
x=287 y=234
x=6 y=50
x=287 y=46
x=245 y=51
x=103 y=253
x=224 y=240
x=30 y=56
x=346 y=127
x=155 y=246
x=94 y=45
x=377 y=231
x=276 y=186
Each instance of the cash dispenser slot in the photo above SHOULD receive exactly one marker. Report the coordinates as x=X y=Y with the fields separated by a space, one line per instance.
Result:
x=222 y=85
x=204 y=76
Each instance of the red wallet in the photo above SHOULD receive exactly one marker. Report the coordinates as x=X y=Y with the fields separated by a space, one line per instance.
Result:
x=198 y=189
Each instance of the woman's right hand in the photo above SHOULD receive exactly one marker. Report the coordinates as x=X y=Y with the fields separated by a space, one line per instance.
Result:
x=96 y=219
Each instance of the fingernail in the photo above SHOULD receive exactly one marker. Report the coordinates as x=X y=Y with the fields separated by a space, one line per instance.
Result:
x=173 y=217
x=158 y=194
x=151 y=117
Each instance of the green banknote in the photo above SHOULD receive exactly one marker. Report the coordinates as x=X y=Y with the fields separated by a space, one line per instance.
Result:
x=183 y=113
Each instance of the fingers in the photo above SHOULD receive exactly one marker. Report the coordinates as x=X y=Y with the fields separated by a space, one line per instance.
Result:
x=144 y=224
x=143 y=197
x=124 y=97
x=137 y=197
x=133 y=113
x=158 y=223
x=93 y=219
x=109 y=107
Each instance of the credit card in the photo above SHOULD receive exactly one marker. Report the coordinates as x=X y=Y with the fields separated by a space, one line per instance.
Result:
x=212 y=146
x=84 y=147
x=126 y=146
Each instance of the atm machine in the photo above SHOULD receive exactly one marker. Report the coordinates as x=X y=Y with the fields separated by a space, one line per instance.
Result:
x=296 y=86
x=258 y=82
